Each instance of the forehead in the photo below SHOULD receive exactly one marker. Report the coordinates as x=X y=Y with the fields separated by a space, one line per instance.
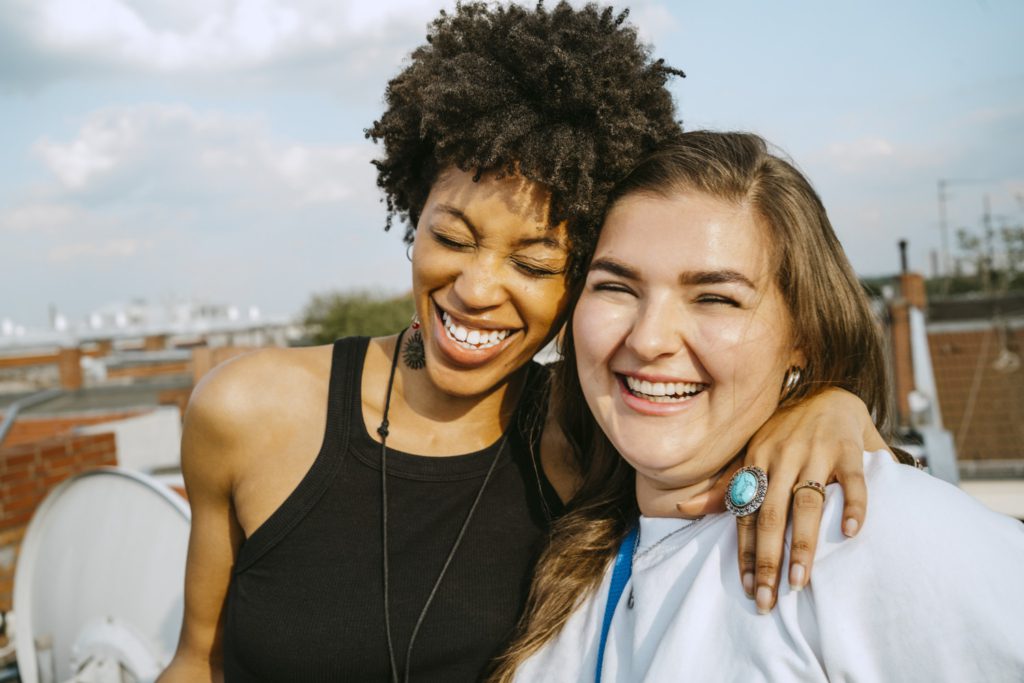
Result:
x=512 y=203
x=684 y=231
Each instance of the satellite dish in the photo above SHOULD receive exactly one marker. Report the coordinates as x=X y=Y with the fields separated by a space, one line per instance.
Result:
x=99 y=586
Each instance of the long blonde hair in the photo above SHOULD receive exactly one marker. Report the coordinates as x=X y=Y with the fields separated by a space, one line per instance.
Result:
x=832 y=323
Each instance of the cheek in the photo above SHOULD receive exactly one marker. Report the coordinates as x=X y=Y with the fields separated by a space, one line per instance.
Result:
x=750 y=363
x=548 y=301
x=426 y=264
x=730 y=346
x=599 y=327
x=434 y=265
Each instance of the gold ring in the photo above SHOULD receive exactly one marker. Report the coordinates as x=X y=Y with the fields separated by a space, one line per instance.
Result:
x=810 y=485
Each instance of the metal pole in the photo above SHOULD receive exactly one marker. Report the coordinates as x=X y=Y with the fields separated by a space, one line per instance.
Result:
x=11 y=414
x=944 y=227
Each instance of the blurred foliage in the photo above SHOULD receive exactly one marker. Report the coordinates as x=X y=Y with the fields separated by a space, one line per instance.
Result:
x=939 y=287
x=976 y=284
x=986 y=262
x=332 y=315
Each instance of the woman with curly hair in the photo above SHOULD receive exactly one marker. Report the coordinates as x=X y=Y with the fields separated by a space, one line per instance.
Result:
x=372 y=510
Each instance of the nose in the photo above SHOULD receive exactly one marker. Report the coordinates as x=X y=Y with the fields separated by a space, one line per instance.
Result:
x=480 y=284
x=659 y=329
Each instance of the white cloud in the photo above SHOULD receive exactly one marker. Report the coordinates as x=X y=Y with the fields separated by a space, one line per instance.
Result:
x=654 y=21
x=192 y=36
x=168 y=150
x=152 y=200
x=134 y=178
x=36 y=217
x=100 y=146
x=115 y=248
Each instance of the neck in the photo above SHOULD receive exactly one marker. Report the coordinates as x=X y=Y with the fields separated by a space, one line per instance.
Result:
x=427 y=421
x=698 y=496
x=414 y=389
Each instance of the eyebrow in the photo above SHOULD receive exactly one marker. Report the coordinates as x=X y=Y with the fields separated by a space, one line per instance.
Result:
x=715 y=277
x=457 y=213
x=544 y=240
x=689 y=277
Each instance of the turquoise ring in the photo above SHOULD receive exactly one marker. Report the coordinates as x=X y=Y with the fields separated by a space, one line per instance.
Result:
x=746 y=491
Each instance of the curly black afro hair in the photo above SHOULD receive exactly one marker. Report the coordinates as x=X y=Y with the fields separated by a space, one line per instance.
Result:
x=566 y=97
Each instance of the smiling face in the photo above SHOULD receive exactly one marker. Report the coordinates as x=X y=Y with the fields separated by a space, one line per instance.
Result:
x=488 y=279
x=682 y=337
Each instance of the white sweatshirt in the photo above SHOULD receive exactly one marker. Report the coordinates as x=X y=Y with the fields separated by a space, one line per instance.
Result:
x=931 y=589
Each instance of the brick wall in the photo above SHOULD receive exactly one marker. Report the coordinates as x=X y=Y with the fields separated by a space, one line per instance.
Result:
x=989 y=426
x=28 y=472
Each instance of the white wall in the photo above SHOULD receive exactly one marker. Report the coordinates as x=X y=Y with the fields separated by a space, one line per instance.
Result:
x=145 y=442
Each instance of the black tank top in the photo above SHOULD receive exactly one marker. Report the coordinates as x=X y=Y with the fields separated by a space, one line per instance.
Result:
x=306 y=595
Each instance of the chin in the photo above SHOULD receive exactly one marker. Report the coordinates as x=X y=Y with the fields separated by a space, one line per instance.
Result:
x=467 y=383
x=651 y=453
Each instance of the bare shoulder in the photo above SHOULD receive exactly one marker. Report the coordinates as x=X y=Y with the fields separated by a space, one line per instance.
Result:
x=252 y=400
x=253 y=384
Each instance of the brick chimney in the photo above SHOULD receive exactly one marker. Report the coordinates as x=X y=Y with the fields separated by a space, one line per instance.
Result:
x=155 y=342
x=69 y=364
x=911 y=294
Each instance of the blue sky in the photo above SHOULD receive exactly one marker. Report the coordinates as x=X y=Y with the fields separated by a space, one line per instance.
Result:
x=213 y=149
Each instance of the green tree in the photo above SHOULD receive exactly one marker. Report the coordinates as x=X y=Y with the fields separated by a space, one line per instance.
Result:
x=996 y=261
x=332 y=315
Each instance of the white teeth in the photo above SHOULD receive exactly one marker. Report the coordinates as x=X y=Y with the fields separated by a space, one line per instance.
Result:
x=662 y=392
x=470 y=338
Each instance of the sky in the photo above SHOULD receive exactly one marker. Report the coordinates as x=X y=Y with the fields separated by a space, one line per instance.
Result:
x=213 y=150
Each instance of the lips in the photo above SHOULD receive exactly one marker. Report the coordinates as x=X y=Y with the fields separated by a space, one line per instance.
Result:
x=480 y=343
x=662 y=392
x=471 y=337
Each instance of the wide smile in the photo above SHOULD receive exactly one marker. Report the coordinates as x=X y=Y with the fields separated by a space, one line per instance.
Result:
x=468 y=344
x=471 y=338
x=657 y=397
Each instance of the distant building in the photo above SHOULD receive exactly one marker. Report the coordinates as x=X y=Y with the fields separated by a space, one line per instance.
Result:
x=102 y=397
x=182 y=323
x=959 y=386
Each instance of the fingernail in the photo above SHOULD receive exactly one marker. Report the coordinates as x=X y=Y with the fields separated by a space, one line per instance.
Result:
x=796 y=576
x=764 y=600
x=748 y=584
x=850 y=527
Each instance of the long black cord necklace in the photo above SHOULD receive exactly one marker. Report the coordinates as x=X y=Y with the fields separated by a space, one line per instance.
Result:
x=382 y=430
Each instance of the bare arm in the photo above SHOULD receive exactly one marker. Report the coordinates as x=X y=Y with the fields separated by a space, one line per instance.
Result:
x=207 y=456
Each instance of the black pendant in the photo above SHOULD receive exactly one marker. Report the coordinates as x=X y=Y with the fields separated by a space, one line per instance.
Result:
x=413 y=354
